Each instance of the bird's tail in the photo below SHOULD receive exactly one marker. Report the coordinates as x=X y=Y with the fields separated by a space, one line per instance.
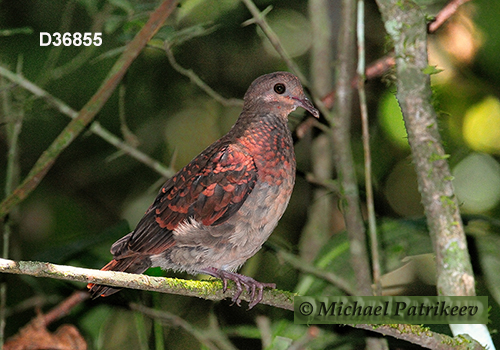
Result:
x=133 y=264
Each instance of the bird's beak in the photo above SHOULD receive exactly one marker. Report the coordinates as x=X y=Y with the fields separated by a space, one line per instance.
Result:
x=307 y=105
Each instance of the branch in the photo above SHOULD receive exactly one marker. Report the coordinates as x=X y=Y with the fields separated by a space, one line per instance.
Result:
x=99 y=20
x=260 y=19
x=95 y=127
x=195 y=79
x=211 y=338
x=304 y=266
x=455 y=276
x=209 y=290
x=340 y=119
x=445 y=13
x=424 y=337
x=384 y=64
x=55 y=51
x=370 y=206
x=14 y=124
x=89 y=111
x=406 y=24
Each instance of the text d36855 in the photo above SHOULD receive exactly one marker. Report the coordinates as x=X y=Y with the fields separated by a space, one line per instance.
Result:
x=70 y=39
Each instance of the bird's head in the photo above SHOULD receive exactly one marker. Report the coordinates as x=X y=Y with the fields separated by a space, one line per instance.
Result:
x=279 y=93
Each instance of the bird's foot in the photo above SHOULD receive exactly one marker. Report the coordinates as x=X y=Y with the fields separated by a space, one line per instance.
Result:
x=251 y=286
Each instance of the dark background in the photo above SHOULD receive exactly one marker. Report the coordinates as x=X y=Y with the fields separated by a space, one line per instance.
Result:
x=94 y=194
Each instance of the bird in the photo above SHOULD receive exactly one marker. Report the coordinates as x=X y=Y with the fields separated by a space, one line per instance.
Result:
x=219 y=209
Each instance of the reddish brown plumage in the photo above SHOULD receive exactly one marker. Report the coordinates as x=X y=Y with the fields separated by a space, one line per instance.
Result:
x=218 y=210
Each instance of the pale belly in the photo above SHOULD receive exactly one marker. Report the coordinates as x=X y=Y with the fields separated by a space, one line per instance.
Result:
x=229 y=245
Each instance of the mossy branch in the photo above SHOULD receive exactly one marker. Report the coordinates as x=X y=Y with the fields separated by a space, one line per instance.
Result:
x=211 y=290
x=424 y=337
x=406 y=24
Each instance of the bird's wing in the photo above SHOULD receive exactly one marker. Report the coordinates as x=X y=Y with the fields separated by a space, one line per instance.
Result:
x=210 y=190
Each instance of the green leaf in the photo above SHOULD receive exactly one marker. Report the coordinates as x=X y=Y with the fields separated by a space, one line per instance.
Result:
x=431 y=70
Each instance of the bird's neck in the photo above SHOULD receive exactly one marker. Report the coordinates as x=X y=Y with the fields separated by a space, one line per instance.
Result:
x=261 y=127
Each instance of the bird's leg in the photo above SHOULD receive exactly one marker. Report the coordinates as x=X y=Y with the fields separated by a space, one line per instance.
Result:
x=255 y=285
x=224 y=276
x=249 y=283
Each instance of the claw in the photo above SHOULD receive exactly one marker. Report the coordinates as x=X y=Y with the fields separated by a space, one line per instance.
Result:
x=251 y=285
x=236 y=297
x=224 y=284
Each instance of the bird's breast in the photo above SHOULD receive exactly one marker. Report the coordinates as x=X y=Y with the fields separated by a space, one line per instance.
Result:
x=271 y=146
x=272 y=150
x=229 y=244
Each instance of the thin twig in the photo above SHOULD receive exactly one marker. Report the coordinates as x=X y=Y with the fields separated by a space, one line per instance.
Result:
x=3 y=312
x=195 y=79
x=384 y=64
x=171 y=319
x=95 y=127
x=264 y=326
x=99 y=20
x=140 y=326
x=380 y=67
x=89 y=111
x=372 y=224
x=330 y=185
x=340 y=119
x=260 y=19
x=64 y=308
x=328 y=276
x=14 y=121
x=158 y=325
x=127 y=134
x=371 y=342
x=16 y=31
x=55 y=51
x=445 y=13
x=13 y=117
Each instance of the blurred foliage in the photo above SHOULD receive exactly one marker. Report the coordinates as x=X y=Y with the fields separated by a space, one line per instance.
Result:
x=93 y=195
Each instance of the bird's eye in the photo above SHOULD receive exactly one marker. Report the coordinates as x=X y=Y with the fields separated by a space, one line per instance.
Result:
x=279 y=88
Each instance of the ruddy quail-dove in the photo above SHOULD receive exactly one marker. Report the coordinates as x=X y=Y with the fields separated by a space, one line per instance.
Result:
x=217 y=211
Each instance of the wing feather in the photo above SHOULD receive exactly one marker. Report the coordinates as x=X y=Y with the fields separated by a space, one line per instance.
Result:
x=210 y=190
